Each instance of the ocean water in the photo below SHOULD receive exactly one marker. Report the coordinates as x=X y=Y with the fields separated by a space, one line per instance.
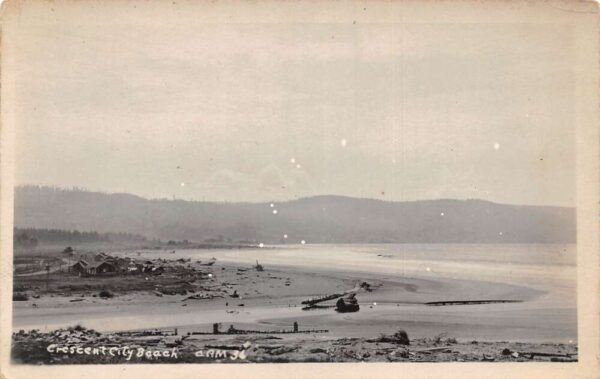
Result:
x=545 y=266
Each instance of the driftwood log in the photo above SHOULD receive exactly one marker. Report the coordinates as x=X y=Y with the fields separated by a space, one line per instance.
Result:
x=315 y=300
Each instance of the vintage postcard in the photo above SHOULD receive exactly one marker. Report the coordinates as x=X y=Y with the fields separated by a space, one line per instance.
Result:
x=299 y=189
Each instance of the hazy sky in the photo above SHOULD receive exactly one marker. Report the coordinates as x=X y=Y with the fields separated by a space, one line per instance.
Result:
x=243 y=112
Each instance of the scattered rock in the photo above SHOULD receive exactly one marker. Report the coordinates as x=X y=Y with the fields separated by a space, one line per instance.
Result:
x=400 y=353
x=348 y=304
x=400 y=338
x=105 y=294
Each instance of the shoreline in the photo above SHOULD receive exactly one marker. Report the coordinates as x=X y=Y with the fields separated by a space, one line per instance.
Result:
x=273 y=297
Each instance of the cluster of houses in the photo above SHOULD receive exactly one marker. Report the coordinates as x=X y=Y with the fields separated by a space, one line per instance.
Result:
x=104 y=264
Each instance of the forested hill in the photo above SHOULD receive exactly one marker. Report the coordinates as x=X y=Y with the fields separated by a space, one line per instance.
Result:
x=321 y=219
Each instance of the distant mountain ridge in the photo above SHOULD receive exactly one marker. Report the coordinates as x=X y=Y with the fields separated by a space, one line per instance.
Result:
x=320 y=219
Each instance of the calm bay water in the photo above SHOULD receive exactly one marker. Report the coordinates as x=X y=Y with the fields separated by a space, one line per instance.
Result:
x=537 y=265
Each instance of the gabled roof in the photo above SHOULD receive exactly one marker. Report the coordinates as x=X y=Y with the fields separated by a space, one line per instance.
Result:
x=81 y=262
x=96 y=264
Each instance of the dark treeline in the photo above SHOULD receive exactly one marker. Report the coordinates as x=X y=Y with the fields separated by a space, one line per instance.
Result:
x=31 y=237
x=317 y=219
x=55 y=189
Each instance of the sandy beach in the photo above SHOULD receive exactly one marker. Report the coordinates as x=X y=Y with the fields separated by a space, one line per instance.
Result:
x=271 y=299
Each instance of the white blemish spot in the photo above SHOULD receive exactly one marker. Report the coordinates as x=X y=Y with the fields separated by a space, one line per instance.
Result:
x=293 y=160
x=428 y=269
x=374 y=303
x=496 y=146
x=285 y=236
x=441 y=214
x=303 y=242
x=272 y=205
x=182 y=184
x=261 y=245
x=274 y=211
x=343 y=142
x=210 y=275
x=500 y=233
x=298 y=166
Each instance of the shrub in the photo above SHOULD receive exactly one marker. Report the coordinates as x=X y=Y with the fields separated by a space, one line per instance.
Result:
x=77 y=328
x=401 y=337
x=105 y=294
x=20 y=297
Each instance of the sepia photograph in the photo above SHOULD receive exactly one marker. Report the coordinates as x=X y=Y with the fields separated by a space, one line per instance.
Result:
x=226 y=183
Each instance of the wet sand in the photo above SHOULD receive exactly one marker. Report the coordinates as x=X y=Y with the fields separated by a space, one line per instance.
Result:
x=396 y=302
